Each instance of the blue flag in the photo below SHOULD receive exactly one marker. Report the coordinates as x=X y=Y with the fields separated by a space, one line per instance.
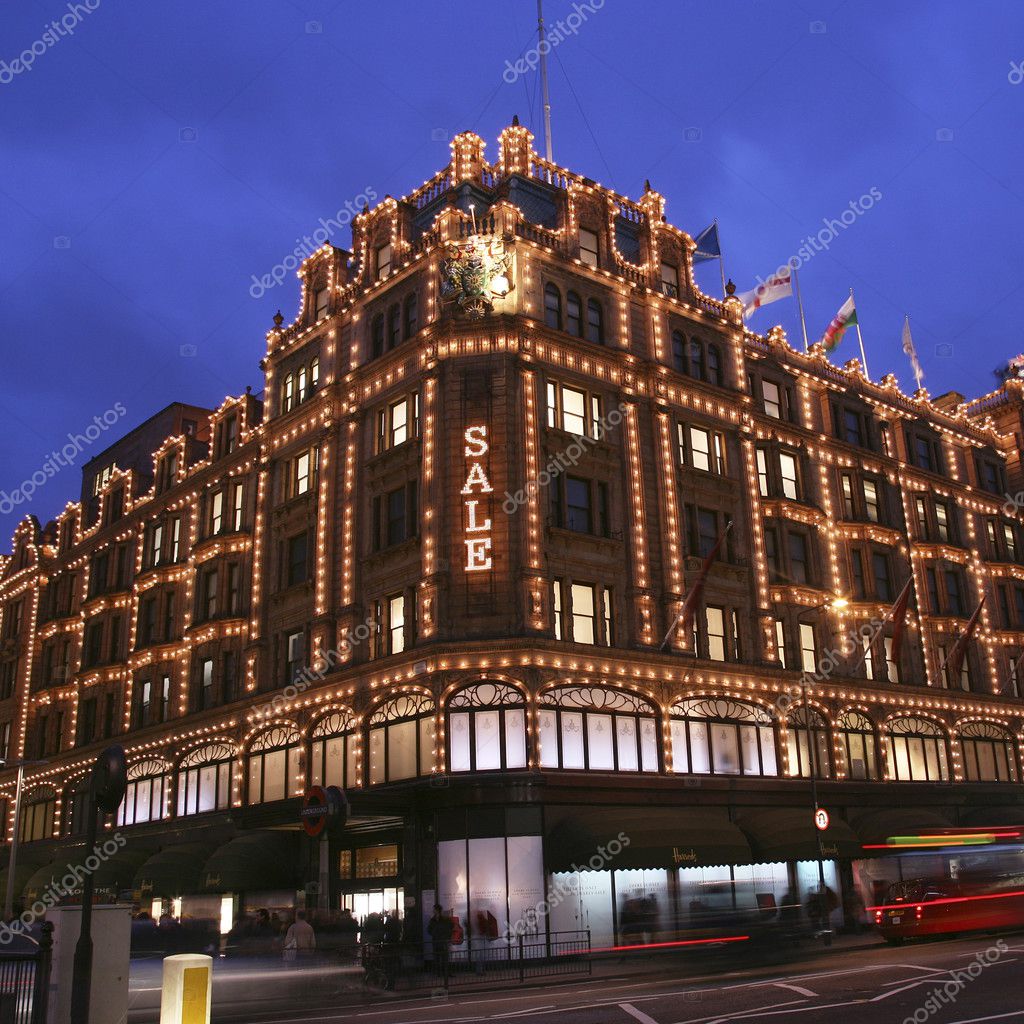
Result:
x=708 y=247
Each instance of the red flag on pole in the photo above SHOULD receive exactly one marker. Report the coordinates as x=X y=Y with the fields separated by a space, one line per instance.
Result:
x=955 y=659
x=685 y=617
x=897 y=615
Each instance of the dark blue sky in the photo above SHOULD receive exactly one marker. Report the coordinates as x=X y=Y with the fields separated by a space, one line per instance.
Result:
x=159 y=156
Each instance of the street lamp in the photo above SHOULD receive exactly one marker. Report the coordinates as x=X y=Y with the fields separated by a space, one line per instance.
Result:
x=836 y=604
x=12 y=862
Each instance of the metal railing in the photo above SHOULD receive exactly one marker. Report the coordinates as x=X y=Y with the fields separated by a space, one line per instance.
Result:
x=404 y=965
x=25 y=981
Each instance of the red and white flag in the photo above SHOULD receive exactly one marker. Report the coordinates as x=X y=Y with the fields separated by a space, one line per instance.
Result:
x=779 y=286
x=897 y=615
x=684 y=620
x=954 y=662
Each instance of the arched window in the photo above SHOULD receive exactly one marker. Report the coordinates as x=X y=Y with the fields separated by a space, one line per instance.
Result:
x=803 y=724
x=75 y=807
x=718 y=736
x=394 y=326
x=989 y=754
x=714 y=364
x=553 y=307
x=679 y=351
x=333 y=751
x=145 y=797
x=301 y=394
x=401 y=740
x=377 y=336
x=288 y=393
x=696 y=359
x=486 y=728
x=917 y=750
x=273 y=765
x=860 y=745
x=314 y=375
x=574 y=314
x=595 y=322
x=411 y=315
x=598 y=730
x=37 y=812
x=203 y=781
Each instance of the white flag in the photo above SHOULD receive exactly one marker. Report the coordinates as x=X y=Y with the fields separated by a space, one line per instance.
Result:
x=776 y=287
x=908 y=348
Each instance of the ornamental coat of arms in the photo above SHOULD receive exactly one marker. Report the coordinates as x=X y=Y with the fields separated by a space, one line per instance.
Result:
x=474 y=273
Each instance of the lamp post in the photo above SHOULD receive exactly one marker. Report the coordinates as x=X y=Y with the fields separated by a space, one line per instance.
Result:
x=836 y=604
x=12 y=862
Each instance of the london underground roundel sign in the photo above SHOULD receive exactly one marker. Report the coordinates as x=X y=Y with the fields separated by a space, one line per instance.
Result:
x=821 y=819
x=323 y=808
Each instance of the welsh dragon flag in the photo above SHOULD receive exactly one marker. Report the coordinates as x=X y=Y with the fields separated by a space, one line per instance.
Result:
x=846 y=317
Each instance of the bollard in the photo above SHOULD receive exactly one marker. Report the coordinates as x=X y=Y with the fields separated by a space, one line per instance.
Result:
x=186 y=990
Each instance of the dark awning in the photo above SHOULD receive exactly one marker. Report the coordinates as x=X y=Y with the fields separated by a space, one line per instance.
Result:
x=789 y=833
x=24 y=869
x=877 y=827
x=66 y=875
x=173 y=871
x=252 y=862
x=41 y=879
x=658 y=837
x=995 y=817
x=117 y=873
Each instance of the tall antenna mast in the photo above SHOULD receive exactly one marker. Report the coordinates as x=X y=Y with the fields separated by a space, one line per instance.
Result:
x=543 y=50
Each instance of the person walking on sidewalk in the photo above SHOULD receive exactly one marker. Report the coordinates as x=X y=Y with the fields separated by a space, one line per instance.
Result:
x=440 y=929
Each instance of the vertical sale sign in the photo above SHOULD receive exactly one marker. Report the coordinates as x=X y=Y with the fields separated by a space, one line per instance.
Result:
x=475 y=492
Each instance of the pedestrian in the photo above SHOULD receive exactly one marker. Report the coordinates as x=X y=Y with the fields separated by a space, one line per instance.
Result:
x=440 y=929
x=300 y=939
x=348 y=932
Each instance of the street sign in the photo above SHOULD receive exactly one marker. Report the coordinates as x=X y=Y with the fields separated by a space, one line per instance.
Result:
x=821 y=819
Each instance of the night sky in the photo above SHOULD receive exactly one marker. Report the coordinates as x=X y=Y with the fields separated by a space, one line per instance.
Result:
x=156 y=157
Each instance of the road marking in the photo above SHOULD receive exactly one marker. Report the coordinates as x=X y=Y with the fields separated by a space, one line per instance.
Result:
x=638 y=1014
x=796 y=988
x=995 y=1016
x=519 y=1013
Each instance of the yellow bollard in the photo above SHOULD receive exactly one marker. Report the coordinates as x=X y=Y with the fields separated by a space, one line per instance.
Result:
x=186 y=991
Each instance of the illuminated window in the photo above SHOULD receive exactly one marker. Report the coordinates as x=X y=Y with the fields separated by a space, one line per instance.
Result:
x=377 y=862
x=37 y=814
x=713 y=736
x=334 y=750
x=400 y=740
x=216 y=512
x=810 y=748
x=394 y=625
x=989 y=753
x=808 y=648
x=301 y=472
x=397 y=422
x=273 y=765
x=669 y=280
x=288 y=393
x=859 y=745
x=772 y=399
x=383 y=261
x=203 y=781
x=175 y=551
x=780 y=641
x=145 y=797
x=294 y=655
x=788 y=477
x=597 y=729
x=917 y=750
x=573 y=410
x=486 y=728
x=588 y=612
x=705 y=450
x=589 y=247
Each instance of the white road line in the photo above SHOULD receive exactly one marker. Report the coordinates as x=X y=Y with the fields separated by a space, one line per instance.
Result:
x=519 y=1013
x=995 y=1016
x=796 y=988
x=638 y=1014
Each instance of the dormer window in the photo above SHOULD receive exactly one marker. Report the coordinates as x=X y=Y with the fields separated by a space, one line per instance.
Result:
x=321 y=302
x=589 y=253
x=383 y=262
x=670 y=280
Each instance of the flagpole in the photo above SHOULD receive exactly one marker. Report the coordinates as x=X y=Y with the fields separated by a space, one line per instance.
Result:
x=721 y=258
x=860 y=338
x=800 y=304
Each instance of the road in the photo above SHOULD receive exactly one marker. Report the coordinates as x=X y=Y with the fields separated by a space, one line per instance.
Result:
x=943 y=982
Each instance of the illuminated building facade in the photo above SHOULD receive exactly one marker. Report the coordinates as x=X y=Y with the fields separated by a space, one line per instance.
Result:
x=439 y=564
